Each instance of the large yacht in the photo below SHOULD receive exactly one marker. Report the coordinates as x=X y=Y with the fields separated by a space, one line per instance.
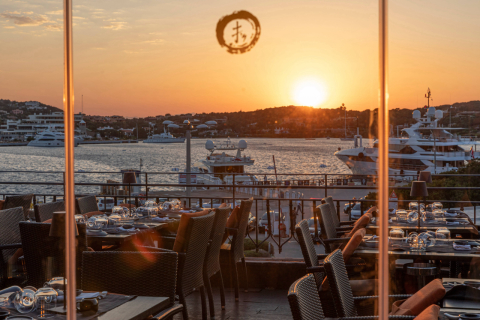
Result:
x=425 y=146
x=165 y=137
x=223 y=160
x=50 y=138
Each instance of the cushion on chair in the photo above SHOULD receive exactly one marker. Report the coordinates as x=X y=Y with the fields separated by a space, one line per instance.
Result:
x=47 y=221
x=428 y=295
x=179 y=244
x=431 y=313
x=93 y=213
x=223 y=205
x=232 y=222
x=353 y=244
x=359 y=224
x=1 y=204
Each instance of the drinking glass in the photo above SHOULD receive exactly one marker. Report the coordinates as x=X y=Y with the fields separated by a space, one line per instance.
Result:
x=117 y=210
x=438 y=213
x=416 y=243
x=150 y=203
x=168 y=206
x=396 y=235
x=412 y=216
x=101 y=223
x=413 y=206
x=45 y=297
x=92 y=223
x=438 y=205
x=25 y=301
x=428 y=238
x=79 y=218
x=401 y=215
x=442 y=234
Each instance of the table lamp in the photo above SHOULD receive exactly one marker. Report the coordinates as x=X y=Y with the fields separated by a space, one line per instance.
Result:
x=419 y=189
x=425 y=176
x=129 y=177
x=57 y=230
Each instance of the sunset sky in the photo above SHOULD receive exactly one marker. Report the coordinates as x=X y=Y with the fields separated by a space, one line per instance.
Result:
x=145 y=57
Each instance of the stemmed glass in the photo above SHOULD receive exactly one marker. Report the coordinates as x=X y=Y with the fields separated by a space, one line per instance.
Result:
x=24 y=301
x=44 y=297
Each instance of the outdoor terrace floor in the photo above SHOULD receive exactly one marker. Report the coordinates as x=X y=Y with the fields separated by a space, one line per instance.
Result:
x=256 y=304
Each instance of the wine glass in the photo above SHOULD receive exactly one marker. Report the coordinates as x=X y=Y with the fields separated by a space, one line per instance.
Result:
x=396 y=235
x=79 y=218
x=412 y=216
x=44 y=297
x=25 y=301
x=428 y=238
x=401 y=215
x=442 y=234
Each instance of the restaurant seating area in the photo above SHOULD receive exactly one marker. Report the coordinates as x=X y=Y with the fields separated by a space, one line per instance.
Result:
x=177 y=267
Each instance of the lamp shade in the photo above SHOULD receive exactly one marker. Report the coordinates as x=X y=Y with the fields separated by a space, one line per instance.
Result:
x=419 y=189
x=425 y=176
x=57 y=228
x=129 y=177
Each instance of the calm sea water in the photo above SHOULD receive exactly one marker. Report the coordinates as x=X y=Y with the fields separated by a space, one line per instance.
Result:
x=291 y=156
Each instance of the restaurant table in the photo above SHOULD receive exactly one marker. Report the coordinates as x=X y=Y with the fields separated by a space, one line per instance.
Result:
x=466 y=230
x=97 y=241
x=115 y=307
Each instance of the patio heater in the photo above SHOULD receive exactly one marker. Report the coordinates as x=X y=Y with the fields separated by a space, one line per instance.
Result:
x=129 y=177
x=57 y=230
x=418 y=190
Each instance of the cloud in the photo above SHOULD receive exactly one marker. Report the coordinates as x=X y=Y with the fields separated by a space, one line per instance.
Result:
x=155 y=41
x=57 y=12
x=115 y=25
x=53 y=27
x=79 y=18
x=24 y=20
x=9 y=27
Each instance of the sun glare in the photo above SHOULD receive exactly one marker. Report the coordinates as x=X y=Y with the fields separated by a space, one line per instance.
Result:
x=310 y=93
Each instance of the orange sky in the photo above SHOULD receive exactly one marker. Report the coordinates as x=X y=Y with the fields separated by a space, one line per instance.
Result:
x=139 y=58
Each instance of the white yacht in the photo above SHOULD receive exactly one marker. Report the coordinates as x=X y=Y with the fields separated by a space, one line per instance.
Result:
x=165 y=137
x=50 y=138
x=425 y=146
x=218 y=165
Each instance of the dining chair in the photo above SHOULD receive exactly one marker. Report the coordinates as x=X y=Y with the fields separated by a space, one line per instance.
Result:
x=87 y=206
x=304 y=300
x=343 y=225
x=152 y=273
x=39 y=249
x=235 y=250
x=331 y=238
x=212 y=258
x=10 y=242
x=24 y=201
x=346 y=305
x=313 y=260
x=45 y=211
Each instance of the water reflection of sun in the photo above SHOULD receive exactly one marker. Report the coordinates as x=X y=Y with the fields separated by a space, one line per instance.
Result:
x=310 y=93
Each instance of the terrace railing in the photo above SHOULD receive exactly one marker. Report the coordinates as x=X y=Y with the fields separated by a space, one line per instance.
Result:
x=282 y=199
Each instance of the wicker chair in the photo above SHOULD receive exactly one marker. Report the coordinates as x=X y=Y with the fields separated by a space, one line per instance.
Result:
x=151 y=273
x=331 y=237
x=23 y=201
x=234 y=252
x=212 y=258
x=10 y=240
x=309 y=253
x=86 y=205
x=346 y=305
x=304 y=301
x=39 y=247
x=45 y=211
x=340 y=225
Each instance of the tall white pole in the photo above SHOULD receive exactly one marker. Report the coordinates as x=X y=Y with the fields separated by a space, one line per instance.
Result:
x=69 y=123
x=383 y=125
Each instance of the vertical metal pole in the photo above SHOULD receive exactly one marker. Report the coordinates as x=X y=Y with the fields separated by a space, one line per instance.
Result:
x=188 y=163
x=383 y=125
x=326 y=183
x=69 y=123
x=233 y=204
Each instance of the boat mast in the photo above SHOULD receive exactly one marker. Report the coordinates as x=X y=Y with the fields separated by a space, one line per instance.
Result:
x=345 y=109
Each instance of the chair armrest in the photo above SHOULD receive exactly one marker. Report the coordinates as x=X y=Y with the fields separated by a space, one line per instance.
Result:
x=346 y=228
x=169 y=312
x=372 y=317
x=315 y=269
x=10 y=246
x=232 y=230
x=321 y=256
x=336 y=240
x=343 y=223
x=399 y=296
x=342 y=232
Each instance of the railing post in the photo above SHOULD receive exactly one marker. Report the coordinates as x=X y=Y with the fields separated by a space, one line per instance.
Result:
x=338 y=210
x=292 y=218
x=146 y=186
x=326 y=184
x=268 y=218
x=315 y=222
x=256 y=225
x=233 y=192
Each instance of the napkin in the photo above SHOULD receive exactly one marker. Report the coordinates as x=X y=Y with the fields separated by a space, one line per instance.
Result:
x=158 y=219
x=452 y=223
x=465 y=247
x=127 y=230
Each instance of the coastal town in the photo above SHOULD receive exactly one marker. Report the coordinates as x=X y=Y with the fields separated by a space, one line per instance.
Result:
x=21 y=121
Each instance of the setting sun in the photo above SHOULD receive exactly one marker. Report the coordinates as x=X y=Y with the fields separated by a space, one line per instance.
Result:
x=310 y=93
